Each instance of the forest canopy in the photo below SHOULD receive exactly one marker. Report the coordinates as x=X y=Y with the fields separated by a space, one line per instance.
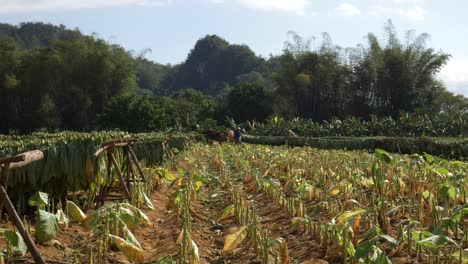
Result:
x=55 y=78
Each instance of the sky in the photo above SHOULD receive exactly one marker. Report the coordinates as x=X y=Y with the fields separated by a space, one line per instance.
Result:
x=170 y=28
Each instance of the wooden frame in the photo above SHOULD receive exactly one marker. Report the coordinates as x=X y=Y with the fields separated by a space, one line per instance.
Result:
x=8 y=164
x=125 y=178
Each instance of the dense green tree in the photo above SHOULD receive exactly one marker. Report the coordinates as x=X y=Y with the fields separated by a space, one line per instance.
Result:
x=63 y=86
x=149 y=76
x=312 y=84
x=248 y=101
x=55 y=78
x=138 y=113
x=192 y=107
x=211 y=65
x=395 y=77
x=384 y=80
x=36 y=34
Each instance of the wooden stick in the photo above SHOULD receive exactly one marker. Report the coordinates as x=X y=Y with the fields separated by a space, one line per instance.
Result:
x=21 y=229
x=129 y=164
x=135 y=160
x=101 y=149
x=117 y=141
x=121 y=179
x=23 y=159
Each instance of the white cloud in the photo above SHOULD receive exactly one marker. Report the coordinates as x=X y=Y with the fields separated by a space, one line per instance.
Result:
x=347 y=9
x=34 y=6
x=411 y=9
x=455 y=76
x=415 y=13
x=291 y=6
x=28 y=6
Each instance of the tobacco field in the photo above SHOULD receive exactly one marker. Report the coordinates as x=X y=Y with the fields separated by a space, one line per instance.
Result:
x=225 y=203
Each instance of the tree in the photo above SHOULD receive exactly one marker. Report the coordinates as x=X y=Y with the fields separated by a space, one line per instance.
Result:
x=211 y=65
x=138 y=113
x=248 y=101
x=395 y=77
x=192 y=107
x=149 y=76
x=312 y=84
x=62 y=86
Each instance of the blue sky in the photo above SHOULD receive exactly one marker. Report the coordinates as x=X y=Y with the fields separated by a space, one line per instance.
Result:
x=170 y=28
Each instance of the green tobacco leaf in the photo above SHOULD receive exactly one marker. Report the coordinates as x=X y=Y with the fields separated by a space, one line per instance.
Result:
x=296 y=221
x=128 y=217
x=457 y=214
x=430 y=159
x=363 y=249
x=463 y=254
x=442 y=171
x=46 y=226
x=39 y=199
x=166 y=174
x=447 y=192
x=95 y=217
x=16 y=242
x=379 y=257
x=372 y=232
x=383 y=155
x=301 y=187
x=62 y=218
x=389 y=239
x=228 y=211
x=436 y=241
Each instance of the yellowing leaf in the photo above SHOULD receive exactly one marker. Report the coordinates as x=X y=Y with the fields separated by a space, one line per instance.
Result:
x=180 y=237
x=367 y=182
x=228 y=211
x=130 y=237
x=334 y=191
x=147 y=201
x=132 y=252
x=165 y=174
x=348 y=216
x=75 y=212
x=342 y=186
x=141 y=216
x=195 y=259
x=234 y=239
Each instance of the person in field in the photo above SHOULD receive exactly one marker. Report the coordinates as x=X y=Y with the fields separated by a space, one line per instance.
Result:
x=237 y=136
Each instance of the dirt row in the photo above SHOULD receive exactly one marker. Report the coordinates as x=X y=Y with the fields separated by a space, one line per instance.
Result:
x=160 y=239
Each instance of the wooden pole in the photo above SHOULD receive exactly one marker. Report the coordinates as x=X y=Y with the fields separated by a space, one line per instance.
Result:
x=23 y=159
x=128 y=165
x=135 y=160
x=15 y=162
x=122 y=180
x=21 y=229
